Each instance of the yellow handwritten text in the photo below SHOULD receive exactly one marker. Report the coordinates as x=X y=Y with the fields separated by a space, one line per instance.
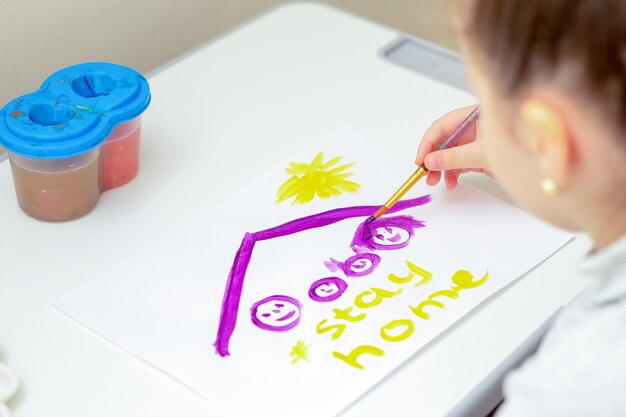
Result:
x=400 y=329
x=413 y=270
x=463 y=279
x=351 y=358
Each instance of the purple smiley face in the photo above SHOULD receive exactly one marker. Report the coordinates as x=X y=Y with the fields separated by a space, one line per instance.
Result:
x=327 y=289
x=386 y=233
x=357 y=265
x=390 y=236
x=277 y=313
x=360 y=264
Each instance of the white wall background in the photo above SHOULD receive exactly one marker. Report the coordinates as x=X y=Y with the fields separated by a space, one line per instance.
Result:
x=38 y=37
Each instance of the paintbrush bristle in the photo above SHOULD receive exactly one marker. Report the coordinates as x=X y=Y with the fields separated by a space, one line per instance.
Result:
x=367 y=234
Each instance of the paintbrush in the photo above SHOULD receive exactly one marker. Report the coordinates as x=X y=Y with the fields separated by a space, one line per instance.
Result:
x=450 y=141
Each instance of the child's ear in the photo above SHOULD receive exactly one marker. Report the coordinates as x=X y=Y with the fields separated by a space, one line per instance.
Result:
x=550 y=140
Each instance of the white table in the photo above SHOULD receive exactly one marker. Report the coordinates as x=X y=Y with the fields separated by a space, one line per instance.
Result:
x=247 y=100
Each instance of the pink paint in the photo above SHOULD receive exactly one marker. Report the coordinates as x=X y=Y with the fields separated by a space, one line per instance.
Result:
x=119 y=156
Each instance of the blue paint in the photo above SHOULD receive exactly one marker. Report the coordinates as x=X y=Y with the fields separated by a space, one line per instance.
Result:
x=73 y=111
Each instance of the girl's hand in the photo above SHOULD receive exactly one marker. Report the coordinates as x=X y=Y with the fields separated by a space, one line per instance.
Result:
x=467 y=156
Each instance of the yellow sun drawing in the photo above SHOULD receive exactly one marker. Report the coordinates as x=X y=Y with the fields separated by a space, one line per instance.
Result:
x=319 y=178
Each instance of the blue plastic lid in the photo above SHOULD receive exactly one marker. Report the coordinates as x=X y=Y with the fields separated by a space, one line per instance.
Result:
x=74 y=110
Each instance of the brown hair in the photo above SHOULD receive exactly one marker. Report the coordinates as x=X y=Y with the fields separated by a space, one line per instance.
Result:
x=524 y=39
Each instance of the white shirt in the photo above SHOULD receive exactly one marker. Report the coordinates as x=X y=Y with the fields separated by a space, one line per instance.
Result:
x=580 y=367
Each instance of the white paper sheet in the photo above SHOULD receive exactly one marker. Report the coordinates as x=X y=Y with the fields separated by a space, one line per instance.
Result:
x=164 y=305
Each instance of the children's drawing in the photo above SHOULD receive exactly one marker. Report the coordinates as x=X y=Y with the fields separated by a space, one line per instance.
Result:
x=308 y=312
x=385 y=233
x=319 y=178
x=280 y=313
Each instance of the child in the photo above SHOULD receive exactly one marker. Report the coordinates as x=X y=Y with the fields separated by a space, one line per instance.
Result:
x=551 y=79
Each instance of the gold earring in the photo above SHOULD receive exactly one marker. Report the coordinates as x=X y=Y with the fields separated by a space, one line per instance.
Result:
x=549 y=187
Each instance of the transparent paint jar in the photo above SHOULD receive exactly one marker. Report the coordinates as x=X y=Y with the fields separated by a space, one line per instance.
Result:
x=57 y=189
x=74 y=138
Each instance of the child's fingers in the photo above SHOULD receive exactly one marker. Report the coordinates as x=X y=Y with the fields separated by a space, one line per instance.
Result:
x=433 y=178
x=440 y=129
x=470 y=155
x=424 y=149
x=452 y=179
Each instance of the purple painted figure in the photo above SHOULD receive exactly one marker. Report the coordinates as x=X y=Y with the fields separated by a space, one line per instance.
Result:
x=400 y=231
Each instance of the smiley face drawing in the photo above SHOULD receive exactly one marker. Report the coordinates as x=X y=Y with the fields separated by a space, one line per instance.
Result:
x=361 y=264
x=390 y=236
x=327 y=289
x=277 y=313
x=385 y=233
x=355 y=266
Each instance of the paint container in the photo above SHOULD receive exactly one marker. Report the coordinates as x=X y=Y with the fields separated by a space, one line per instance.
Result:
x=57 y=189
x=74 y=138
